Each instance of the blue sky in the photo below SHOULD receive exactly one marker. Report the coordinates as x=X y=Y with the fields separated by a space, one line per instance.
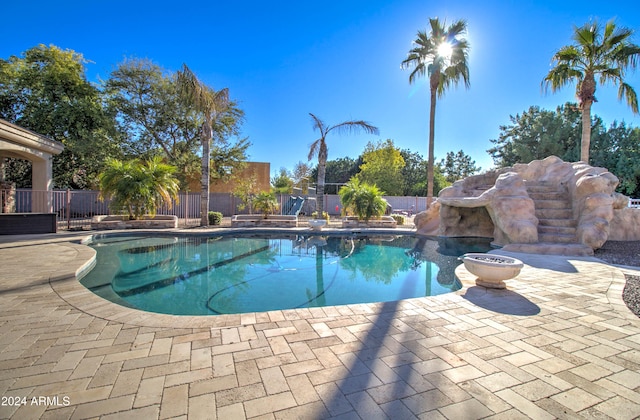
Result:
x=338 y=59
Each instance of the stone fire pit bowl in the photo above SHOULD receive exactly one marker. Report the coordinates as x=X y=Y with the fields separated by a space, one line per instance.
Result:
x=491 y=269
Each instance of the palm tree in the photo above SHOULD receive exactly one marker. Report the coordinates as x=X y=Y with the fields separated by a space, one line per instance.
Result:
x=363 y=199
x=603 y=52
x=211 y=105
x=319 y=148
x=442 y=55
x=266 y=203
x=138 y=187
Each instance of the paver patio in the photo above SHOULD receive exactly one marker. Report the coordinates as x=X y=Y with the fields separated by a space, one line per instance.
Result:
x=559 y=343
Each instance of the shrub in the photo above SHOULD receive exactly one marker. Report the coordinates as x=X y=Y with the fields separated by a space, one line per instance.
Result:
x=138 y=187
x=215 y=217
x=363 y=199
x=325 y=215
x=398 y=218
x=266 y=203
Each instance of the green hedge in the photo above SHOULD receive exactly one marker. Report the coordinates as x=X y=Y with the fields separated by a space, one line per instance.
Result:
x=215 y=217
x=398 y=218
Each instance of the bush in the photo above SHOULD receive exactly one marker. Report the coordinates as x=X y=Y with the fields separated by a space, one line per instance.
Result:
x=398 y=218
x=325 y=215
x=363 y=199
x=215 y=217
x=138 y=187
x=266 y=203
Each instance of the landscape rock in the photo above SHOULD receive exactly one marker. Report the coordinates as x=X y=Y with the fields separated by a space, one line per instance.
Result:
x=625 y=225
x=497 y=204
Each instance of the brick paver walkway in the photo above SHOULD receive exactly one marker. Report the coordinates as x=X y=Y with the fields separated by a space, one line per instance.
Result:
x=559 y=343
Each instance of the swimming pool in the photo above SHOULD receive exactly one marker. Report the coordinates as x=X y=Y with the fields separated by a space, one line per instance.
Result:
x=199 y=275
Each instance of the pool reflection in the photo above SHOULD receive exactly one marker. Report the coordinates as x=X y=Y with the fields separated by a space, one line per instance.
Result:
x=200 y=276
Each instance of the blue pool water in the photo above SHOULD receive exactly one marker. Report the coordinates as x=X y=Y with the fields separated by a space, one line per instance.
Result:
x=194 y=275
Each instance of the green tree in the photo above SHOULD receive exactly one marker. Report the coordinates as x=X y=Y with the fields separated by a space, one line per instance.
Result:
x=382 y=166
x=538 y=133
x=458 y=166
x=46 y=90
x=282 y=183
x=138 y=187
x=363 y=199
x=153 y=120
x=414 y=175
x=211 y=105
x=618 y=149
x=441 y=55
x=246 y=190
x=319 y=148
x=144 y=98
x=338 y=171
x=302 y=176
x=599 y=52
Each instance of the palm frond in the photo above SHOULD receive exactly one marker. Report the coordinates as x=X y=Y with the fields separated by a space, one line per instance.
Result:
x=456 y=30
x=437 y=28
x=204 y=99
x=425 y=60
x=452 y=76
x=587 y=35
x=604 y=52
x=318 y=124
x=313 y=149
x=139 y=187
x=609 y=75
x=567 y=54
x=627 y=56
x=560 y=76
x=626 y=91
x=353 y=126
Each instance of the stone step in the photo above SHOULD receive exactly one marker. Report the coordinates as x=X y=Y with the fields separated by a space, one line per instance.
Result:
x=554 y=213
x=577 y=250
x=552 y=195
x=557 y=238
x=538 y=181
x=552 y=204
x=557 y=230
x=543 y=187
x=558 y=222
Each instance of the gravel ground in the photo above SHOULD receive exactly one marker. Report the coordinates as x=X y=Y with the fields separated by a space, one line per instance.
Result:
x=625 y=253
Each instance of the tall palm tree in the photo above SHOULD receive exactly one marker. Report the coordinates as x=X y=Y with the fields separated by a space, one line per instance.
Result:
x=442 y=55
x=600 y=52
x=211 y=105
x=319 y=148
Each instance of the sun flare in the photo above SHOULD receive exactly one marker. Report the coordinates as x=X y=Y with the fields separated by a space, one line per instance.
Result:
x=445 y=49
